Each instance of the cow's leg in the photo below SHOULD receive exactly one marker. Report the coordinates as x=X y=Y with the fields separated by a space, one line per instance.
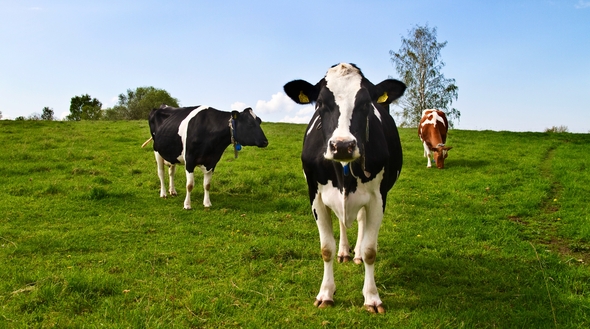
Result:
x=171 y=172
x=160 y=168
x=190 y=183
x=374 y=217
x=325 y=297
x=344 y=246
x=361 y=219
x=427 y=154
x=207 y=175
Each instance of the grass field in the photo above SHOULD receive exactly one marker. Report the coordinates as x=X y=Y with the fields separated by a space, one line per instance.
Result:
x=498 y=239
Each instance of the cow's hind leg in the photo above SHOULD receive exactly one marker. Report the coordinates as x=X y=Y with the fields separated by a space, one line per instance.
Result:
x=325 y=297
x=373 y=303
x=171 y=172
x=160 y=168
x=207 y=175
x=344 y=246
x=190 y=183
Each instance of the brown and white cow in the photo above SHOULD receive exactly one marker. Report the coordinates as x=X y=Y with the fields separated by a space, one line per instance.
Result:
x=432 y=130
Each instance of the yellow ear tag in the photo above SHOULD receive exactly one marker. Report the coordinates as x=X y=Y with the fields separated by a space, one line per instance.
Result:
x=303 y=98
x=383 y=98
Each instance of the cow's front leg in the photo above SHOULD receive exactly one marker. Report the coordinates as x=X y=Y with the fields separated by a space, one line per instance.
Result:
x=325 y=297
x=207 y=175
x=160 y=168
x=427 y=154
x=190 y=183
x=171 y=172
x=361 y=220
x=344 y=246
x=373 y=303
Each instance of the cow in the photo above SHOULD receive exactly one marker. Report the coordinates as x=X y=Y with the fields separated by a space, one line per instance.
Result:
x=432 y=130
x=197 y=136
x=351 y=158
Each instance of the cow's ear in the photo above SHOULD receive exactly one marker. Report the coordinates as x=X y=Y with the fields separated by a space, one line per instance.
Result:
x=301 y=91
x=235 y=114
x=388 y=91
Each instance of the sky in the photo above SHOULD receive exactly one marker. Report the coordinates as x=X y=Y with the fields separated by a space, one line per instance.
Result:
x=520 y=65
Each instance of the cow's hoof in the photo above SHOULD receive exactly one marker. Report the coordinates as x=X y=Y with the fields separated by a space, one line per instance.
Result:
x=323 y=303
x=173 y=193
x=344 y=259
x=187 y=208
x=375 y=309
x=358 y=260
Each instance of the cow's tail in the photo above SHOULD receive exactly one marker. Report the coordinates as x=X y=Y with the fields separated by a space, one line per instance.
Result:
x=146 y=142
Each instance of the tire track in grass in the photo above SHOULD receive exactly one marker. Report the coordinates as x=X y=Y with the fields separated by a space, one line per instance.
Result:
x=543 y=228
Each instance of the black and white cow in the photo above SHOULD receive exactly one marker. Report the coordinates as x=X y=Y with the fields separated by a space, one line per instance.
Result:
x=197 y=137
x=351 y=158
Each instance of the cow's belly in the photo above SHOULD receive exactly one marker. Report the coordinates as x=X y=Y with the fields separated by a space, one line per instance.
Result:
x=347 y=205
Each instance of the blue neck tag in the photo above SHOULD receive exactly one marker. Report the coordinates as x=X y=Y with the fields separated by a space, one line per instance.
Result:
x=346 y=169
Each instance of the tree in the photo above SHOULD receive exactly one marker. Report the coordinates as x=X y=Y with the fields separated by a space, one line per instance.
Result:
x=47 y=114
x=0 y=115
x=84 y=108
x=137 y=104
x=419 y=65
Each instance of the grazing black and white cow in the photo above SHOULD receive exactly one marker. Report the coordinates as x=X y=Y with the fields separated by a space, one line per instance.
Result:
x=351 y=158
x=197 y=137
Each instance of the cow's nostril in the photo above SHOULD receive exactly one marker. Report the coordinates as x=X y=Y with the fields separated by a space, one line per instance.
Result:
x=333 y=147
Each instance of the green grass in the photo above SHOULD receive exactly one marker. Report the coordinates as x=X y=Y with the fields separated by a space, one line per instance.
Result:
x=498 y=239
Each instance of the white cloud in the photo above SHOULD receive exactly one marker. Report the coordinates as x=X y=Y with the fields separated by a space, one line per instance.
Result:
x=296 y=119
x=302 y=116
x=279 y=102
x=238 y=106
x=583 y=4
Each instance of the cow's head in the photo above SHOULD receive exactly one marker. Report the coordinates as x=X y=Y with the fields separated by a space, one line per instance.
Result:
x=440 y=154
x=343 y=99
x=246 y=128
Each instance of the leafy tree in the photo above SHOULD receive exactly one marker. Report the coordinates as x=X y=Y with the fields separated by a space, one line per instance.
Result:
x=0 y=115
x=84 y=108
x=19 y=118
x=137 y=104
x=419 y=65
x=47 y=114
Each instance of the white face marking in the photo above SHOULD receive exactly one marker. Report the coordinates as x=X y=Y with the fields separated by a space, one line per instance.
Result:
x=344 y=81
x=183 y=130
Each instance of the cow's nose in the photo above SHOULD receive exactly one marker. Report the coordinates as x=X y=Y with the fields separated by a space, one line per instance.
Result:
x=342 y=150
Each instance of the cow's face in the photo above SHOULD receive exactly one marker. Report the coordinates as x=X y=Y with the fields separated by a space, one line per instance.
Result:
x=440 y=154
x=247 y=129
x=344 y=100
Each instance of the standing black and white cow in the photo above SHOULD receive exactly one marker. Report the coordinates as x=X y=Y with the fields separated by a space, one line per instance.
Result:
x=351 y=158
x=197 y=137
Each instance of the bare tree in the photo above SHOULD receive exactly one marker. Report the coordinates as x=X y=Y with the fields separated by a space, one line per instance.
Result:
x=419 y=66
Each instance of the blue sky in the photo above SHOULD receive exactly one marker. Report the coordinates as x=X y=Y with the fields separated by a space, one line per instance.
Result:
x=520 y=65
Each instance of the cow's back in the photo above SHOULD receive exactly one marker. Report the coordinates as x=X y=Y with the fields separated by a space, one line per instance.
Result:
x=164 y=126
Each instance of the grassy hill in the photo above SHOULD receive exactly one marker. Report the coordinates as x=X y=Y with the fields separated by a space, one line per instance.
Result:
x=498 y=239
